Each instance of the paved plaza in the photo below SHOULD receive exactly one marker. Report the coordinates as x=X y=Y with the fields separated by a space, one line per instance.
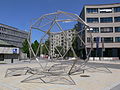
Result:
x=99 y=78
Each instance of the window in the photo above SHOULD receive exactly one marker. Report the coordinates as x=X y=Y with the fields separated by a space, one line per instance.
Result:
x=117 y=19
x=96 y=39
x=117 y=39
x=117 y=9
x=69 y=34
x=106 y=20
x=1 y=57
x=106 y=10
x=117 y=29
x=62 y=44
x=107 y=39
x=88 y=39
x=92 y=10
x=62 y=37
x=92 y=20
x=106 y=29
x=94 y=30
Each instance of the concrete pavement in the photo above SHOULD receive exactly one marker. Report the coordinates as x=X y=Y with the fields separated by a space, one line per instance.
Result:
x=100 y=78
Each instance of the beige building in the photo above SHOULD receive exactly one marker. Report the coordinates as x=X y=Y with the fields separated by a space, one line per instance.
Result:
x=104 y=20
x=59 y=39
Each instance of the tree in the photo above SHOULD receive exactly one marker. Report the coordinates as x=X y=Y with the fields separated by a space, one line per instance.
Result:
x=75 y=45
x=25 y=48
x=45 y=47
x=76 y=40
x=60 y=49
x=35 y=46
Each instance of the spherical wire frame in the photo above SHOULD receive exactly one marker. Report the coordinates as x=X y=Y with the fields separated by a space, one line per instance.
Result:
x=73 y=17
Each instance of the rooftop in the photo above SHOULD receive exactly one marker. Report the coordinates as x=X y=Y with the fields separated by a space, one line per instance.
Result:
x=13 y=28
x=102 y=4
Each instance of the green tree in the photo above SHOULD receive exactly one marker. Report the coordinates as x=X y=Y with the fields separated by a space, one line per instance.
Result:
x=35 y=46
x=25 y=48
x=45 y=47
x=60 y=49
x=75 y=45
x=76 y=39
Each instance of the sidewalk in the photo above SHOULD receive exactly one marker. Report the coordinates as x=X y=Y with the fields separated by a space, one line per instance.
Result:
x=99 y=79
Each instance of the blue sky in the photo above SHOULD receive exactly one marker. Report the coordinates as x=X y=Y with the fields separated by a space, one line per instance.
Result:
x=19 y=13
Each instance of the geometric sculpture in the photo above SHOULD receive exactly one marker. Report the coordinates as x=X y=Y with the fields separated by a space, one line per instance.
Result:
x=60 y=41
x=17 y=71
x=54 y=23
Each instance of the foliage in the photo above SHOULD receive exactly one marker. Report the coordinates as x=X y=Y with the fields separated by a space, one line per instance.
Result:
x=70 y=53
x=76 y=40
x=35 y=46
x=45 y=47
x=60 y=49
x=25 y=48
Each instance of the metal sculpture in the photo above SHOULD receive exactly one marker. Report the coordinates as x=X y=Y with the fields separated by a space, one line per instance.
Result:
x=58 y=66
x=50 y=25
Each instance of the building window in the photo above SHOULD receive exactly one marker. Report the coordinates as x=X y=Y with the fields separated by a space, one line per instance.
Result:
x=117 y=19
x=92 y=10
x=117 y=39
x=106 y=20
x=95 y=39
x=117 y=29
x=105 y=10
x=107 y=39
x=92 y=20
x=1 y=57
x=106 y=29
x=94 y=30
x=88 y=39
x=117 y=9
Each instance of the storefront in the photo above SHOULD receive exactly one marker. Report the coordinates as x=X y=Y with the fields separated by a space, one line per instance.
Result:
x=8 y=53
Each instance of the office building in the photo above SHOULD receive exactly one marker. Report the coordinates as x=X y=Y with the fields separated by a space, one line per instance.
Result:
x=104 y=21
x=11 y=40
x=8 y=53
x=12 y=35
